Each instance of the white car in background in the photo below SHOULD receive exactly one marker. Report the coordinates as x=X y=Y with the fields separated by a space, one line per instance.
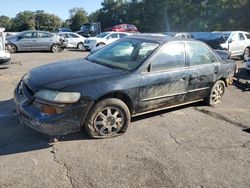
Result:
x=73 y=40
x=103 y=39
x=4 y=55
x=237 y=43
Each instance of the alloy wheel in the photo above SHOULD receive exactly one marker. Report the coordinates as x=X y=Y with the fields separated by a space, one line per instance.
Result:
x=217 y=93
x=109 y=121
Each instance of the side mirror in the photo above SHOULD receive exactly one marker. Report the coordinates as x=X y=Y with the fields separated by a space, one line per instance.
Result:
x=147 y=68
x=230 y=40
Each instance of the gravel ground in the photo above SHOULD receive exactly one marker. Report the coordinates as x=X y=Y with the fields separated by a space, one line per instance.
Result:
x=190 y=146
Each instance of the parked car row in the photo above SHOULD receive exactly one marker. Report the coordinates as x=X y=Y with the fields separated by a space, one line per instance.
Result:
x=34 y=40
x=103 y=39
x=236 y=42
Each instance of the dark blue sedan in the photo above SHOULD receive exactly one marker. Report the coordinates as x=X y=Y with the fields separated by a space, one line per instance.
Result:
x=133 y=76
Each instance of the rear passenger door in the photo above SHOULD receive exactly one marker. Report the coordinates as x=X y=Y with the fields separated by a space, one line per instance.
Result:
x=204 y=67
x=45 y=40
x=167 y=81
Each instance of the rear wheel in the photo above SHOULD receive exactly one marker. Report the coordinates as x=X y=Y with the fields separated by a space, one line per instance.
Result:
x=56 y=48
x=108 y=118
x=80 y=46
x=216 y=94
x=11 y=48
x=100 y=44
x=246 y=54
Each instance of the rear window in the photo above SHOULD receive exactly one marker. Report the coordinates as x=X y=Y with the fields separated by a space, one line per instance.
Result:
x=248 y=36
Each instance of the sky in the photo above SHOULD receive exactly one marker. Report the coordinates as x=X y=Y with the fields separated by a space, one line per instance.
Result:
x=58 y=7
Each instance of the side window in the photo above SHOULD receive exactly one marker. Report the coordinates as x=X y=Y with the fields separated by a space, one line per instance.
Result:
x=241 y=36
x=235 y=37
x=30 y=35
x=112 y=36
x=170 y=56
x=43 y=35
x=73 y=36
x=198 y=54
x=122 y=35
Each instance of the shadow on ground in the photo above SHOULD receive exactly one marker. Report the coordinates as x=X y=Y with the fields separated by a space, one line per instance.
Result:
x=18 y=138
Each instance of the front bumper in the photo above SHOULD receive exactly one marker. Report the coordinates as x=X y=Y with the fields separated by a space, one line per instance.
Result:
x=89 y=46
x=4 y=62
x=71 y=120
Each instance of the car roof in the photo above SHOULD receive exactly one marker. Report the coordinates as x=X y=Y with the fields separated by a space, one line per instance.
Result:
x=158 y=38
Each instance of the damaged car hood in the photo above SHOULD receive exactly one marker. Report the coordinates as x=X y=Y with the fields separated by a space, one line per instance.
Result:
x=63 y=74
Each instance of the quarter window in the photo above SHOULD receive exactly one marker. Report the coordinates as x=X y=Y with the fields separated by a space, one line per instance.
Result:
x=198 y=54
x=170 y=56
x=248 y=36
x=241 y=36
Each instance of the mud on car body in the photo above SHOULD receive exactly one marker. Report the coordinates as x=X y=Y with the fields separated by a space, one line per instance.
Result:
x=133 y=76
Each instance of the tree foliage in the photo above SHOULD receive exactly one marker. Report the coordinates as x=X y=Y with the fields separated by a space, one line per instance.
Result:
x=176 y=15
x=147 y=15
x=31 y=20
x=78 y=17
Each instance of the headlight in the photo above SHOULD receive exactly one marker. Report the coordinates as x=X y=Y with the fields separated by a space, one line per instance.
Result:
x=58 y=97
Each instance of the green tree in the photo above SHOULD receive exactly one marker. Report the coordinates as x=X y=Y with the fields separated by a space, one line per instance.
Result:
x=48 y=22
x=78 y=17
x=5 y=22
x=24 y=21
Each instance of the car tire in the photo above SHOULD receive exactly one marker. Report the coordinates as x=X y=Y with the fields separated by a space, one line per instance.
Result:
x=246 y=55
x=80 y=46
x=56 y=48
x=216 y=93
x=11 y=48
x=108 y=118
x=100 y=44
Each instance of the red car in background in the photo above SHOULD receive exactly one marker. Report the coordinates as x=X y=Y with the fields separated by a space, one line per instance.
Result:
x=123 y=28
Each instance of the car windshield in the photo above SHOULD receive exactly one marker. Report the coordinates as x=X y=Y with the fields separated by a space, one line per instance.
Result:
x=127 y=54
x=102 y=35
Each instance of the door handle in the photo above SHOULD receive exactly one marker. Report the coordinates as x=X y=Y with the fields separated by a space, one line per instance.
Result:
x=183 y=78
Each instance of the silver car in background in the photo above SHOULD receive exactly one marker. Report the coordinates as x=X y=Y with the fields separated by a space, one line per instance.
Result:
x=34 y=40
x=73 y=40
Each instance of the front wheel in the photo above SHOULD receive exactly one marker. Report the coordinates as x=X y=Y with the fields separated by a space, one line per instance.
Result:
x=216 y=94
x=108 y=118
x=11 y=48
x=80 y=46
x=246 y=55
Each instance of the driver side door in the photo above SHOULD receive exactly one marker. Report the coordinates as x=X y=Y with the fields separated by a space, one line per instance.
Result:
x=28 y=41
x=166 y=83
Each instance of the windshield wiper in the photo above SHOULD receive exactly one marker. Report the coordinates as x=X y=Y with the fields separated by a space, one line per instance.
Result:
x=104 y=64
